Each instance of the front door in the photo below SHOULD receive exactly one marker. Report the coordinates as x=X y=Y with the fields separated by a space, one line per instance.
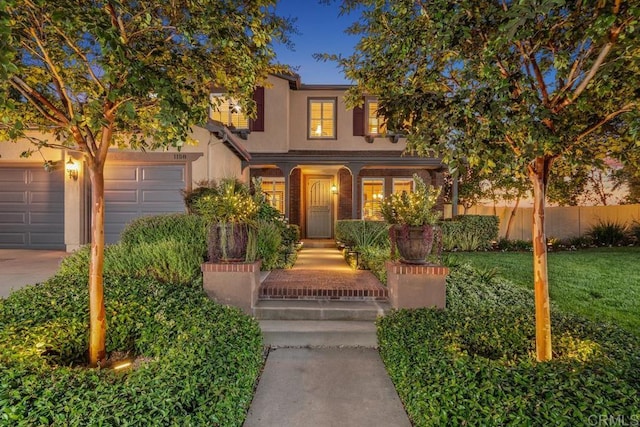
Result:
x=319 y=208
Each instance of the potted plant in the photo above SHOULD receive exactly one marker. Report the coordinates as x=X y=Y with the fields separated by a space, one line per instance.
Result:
x=231 y=211
x=413 y=220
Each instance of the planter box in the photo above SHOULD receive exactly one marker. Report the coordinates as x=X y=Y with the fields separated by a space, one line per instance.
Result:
x=416 y=286
x=234 y=284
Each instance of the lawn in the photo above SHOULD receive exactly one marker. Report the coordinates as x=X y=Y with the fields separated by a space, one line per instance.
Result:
x=601 y=284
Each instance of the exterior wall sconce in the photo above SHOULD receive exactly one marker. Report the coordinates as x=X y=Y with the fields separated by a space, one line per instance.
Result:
x=334 y=189
x=72 y=169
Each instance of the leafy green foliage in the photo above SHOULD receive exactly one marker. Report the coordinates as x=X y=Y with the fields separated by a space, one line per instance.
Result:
x=198 y=362
x=360 y=234
x=169 y=248
x=228 y=201
x=469 y=232
x=474 y=362
x=413 y=209
x=608 y=233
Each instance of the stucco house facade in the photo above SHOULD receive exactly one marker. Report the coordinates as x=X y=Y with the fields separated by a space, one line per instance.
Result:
x=318 y=162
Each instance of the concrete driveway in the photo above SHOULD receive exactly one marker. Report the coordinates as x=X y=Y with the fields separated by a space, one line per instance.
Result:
x=19 y=267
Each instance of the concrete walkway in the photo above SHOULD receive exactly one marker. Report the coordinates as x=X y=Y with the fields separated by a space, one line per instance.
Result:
x=20 y=267
x=332 y=387
x=328 y=386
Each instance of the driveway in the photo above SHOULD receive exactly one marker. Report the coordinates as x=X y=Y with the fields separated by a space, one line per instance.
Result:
x=20 y=267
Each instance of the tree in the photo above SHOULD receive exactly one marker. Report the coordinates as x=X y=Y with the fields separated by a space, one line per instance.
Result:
x=472 y=188
x=509 y=86
x=136 y=74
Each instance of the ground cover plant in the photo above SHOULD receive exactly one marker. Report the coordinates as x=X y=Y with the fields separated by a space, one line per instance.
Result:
x=475 y=364
x=195 y=362
x=602 y=284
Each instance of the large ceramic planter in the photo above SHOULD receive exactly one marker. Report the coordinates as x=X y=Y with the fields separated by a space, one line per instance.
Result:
x=414 y=244
x=228 y=242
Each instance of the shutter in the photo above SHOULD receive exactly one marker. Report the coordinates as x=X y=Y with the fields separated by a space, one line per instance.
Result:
x=358 y=121
x=257 y=124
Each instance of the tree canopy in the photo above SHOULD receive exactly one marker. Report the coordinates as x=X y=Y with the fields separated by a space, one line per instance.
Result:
x=93 y=75
x=507 y=87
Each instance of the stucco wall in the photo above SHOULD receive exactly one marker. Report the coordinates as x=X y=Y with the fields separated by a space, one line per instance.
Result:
x=275 y=138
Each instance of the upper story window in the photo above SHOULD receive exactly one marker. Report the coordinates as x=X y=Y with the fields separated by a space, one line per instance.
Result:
x=402 y=185
x=322 y=118
x=228 y=112
x=374 y=123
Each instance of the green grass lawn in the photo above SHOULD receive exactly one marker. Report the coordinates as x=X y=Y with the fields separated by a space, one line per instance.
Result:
x=601 y=284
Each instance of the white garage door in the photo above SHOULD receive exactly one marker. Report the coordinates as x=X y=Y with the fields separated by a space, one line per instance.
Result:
x=31 y=208
x=136 y=190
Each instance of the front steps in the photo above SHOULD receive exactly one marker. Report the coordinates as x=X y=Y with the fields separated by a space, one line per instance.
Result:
x=320 y=309
x=319 y=333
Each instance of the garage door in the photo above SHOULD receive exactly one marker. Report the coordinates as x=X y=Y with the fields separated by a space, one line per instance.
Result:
x=136 y=190
x=31 y=208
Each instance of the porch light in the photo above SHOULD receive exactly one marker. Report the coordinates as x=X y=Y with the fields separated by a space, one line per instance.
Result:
x=72 y=169
x=334 y=189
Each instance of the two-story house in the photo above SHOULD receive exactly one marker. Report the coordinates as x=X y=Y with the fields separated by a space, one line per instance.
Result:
x=318 y=162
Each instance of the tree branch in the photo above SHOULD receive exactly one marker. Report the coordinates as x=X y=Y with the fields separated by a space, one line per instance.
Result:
x=80 y=54
x=38 y=101
x=57 y=79
x=116 y=21
x=625 y=109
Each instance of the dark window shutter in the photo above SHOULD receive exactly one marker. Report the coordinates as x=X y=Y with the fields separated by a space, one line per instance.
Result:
x=358 y=121
x=257 y=124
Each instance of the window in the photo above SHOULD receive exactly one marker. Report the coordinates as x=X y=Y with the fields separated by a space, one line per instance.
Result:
x=372 y=195
x=274 y=189
x=228 y=112
x=375 y=123
x=402 y=184
x=322 y=118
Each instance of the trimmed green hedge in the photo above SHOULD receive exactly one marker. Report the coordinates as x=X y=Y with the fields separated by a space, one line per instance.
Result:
x=469 y=232
x=474 y=364
x=201 y=360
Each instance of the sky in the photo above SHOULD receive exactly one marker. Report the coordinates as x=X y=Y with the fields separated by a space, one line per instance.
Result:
x=321 y=30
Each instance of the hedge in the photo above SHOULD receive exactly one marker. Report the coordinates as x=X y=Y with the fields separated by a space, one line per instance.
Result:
x=469 y=232
x=474 y=363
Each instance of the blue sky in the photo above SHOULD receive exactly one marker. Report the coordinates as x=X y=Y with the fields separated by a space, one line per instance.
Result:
x=321 y=30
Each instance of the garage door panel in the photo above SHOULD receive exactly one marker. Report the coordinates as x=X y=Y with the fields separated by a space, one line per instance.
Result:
x=13 y=218
x=12 y=197
x=162 y=174
x=31 y=208
x=114 y=197
x=121 y=173
x=14 y=175
x=159 y=196
x=45 y=218
x=132 y=191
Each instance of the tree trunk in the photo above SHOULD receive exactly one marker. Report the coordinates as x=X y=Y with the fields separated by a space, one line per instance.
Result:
x=512 y=216
x=97 y=318
x=539 y=173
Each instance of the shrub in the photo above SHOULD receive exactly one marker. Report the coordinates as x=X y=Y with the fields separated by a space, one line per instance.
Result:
x=180 y=227
x=474 y=363
x=198 y=362
x=514 y=245
x=374 y=258
x=168 y=260
x=608 y=233
x=469 y=232
x=360 y=233
x=269 y=243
